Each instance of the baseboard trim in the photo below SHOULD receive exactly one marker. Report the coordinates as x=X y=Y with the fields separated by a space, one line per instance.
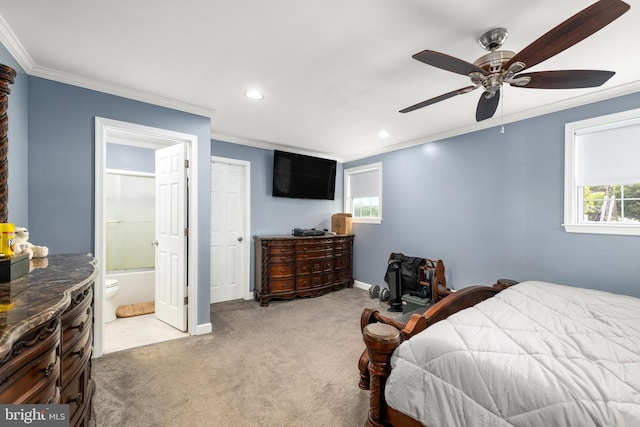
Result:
x=204 y=328
x=361 y=285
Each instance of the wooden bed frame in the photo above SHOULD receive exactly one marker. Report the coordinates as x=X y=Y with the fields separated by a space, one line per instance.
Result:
x=382 y=335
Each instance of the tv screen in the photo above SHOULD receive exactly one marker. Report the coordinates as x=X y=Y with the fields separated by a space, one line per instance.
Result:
x=303 y=177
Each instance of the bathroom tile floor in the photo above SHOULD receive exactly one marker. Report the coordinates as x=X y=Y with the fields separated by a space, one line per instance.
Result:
x=137 y=331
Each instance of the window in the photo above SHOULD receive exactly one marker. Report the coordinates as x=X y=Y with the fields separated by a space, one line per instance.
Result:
x=363 y=193
x=602 y=175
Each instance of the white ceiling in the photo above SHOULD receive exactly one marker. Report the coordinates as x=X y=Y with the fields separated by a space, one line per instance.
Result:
x=333 y=72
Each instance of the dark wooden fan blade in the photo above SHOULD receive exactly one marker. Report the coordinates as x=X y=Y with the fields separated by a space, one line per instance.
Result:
x=565 y=79
x=487 y=106
x=577 y=28
x=438 y=98
x=447 y=62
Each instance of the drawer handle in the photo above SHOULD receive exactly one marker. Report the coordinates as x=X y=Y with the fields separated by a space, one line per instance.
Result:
x=282 y=270
x=80 y=352
x=49 y=369
x=282 y=257
x=79 y=327
x=77 y=400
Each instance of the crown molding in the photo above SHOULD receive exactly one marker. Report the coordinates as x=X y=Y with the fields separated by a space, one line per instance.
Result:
x=111 y=89
x=13 y=45
x=266 y=145
x=578 y=101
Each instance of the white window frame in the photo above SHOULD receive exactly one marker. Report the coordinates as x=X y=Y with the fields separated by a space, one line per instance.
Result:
x=347 y=191
x=571 y=193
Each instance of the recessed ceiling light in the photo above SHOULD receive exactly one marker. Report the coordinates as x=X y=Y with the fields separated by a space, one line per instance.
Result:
x=254 y=94
x=383 y=134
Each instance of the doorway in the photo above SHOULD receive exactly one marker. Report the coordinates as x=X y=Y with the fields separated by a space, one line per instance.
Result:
x=133 y=135
x=230 y=229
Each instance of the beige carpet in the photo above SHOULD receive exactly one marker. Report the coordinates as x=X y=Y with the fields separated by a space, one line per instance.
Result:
x=293 y=363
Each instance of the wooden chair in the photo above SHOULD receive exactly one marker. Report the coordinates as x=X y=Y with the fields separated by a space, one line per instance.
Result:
x=432 y=275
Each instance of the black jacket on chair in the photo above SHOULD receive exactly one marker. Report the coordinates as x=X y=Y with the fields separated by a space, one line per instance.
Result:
x=409 y=271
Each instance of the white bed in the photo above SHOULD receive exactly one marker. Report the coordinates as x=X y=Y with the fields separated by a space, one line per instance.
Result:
x=536 y=354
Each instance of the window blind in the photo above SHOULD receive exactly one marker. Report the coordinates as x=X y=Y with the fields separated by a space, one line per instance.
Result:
x=365 y=183
x=609 y=156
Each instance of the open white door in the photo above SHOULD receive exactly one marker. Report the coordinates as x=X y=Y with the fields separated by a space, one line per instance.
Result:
x=171 y=236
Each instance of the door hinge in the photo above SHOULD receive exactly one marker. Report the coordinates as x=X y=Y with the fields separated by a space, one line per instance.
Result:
x=186 y=232
x=186 y=300
x=186 y=163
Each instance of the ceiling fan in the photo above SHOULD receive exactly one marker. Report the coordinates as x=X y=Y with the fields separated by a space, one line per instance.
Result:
x=497 y=67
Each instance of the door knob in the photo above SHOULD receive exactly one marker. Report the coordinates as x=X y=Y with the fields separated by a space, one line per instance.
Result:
x=154 y=243
x=240 y=239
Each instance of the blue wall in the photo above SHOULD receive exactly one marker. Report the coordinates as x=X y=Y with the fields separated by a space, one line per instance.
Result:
x=130 y=158
x=18 y=142
x=278 y=215
x=61 y=166
x=490 y=205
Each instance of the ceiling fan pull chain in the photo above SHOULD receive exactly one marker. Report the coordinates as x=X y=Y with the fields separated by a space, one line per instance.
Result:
x=502 y=113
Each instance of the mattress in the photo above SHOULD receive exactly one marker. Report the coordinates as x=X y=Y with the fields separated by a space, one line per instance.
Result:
x=536 y=354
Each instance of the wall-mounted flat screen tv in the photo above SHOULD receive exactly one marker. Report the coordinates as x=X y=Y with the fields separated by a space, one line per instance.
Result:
x=303 y=177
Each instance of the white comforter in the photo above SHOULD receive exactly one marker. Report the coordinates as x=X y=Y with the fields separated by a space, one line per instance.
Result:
x=537 y=354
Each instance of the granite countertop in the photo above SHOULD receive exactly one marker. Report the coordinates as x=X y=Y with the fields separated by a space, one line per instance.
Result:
x=42 y=294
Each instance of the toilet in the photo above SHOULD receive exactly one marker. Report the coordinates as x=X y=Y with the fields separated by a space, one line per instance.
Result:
x=111 y=288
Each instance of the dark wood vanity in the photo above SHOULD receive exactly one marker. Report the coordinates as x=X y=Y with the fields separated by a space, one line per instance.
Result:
x=46 y=335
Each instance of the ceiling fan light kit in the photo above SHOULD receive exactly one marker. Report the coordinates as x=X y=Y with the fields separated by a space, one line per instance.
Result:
x=498 y=67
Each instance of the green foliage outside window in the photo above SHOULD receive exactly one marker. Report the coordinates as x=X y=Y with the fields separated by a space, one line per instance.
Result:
x=366 y=207
x=621 y=203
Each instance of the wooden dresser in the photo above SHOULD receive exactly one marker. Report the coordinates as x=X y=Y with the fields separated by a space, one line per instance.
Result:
x=289 y=267
x=46 y=335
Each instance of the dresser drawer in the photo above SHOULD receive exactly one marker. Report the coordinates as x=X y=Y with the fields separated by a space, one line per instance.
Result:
x=34 y=377
x=327 y=278
x=50 y=394
x=340 y=275
x=76 y=357
x=316 y=280
x=280 y=247
x=75 y=327
x=79 y=303
x=280 y=270
x=281 y=285
x=303 y=281
x=315 y=245
x=308 y=255
x=77 y=393
x=342 y=241
x=340 y=263
x=281 y=257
